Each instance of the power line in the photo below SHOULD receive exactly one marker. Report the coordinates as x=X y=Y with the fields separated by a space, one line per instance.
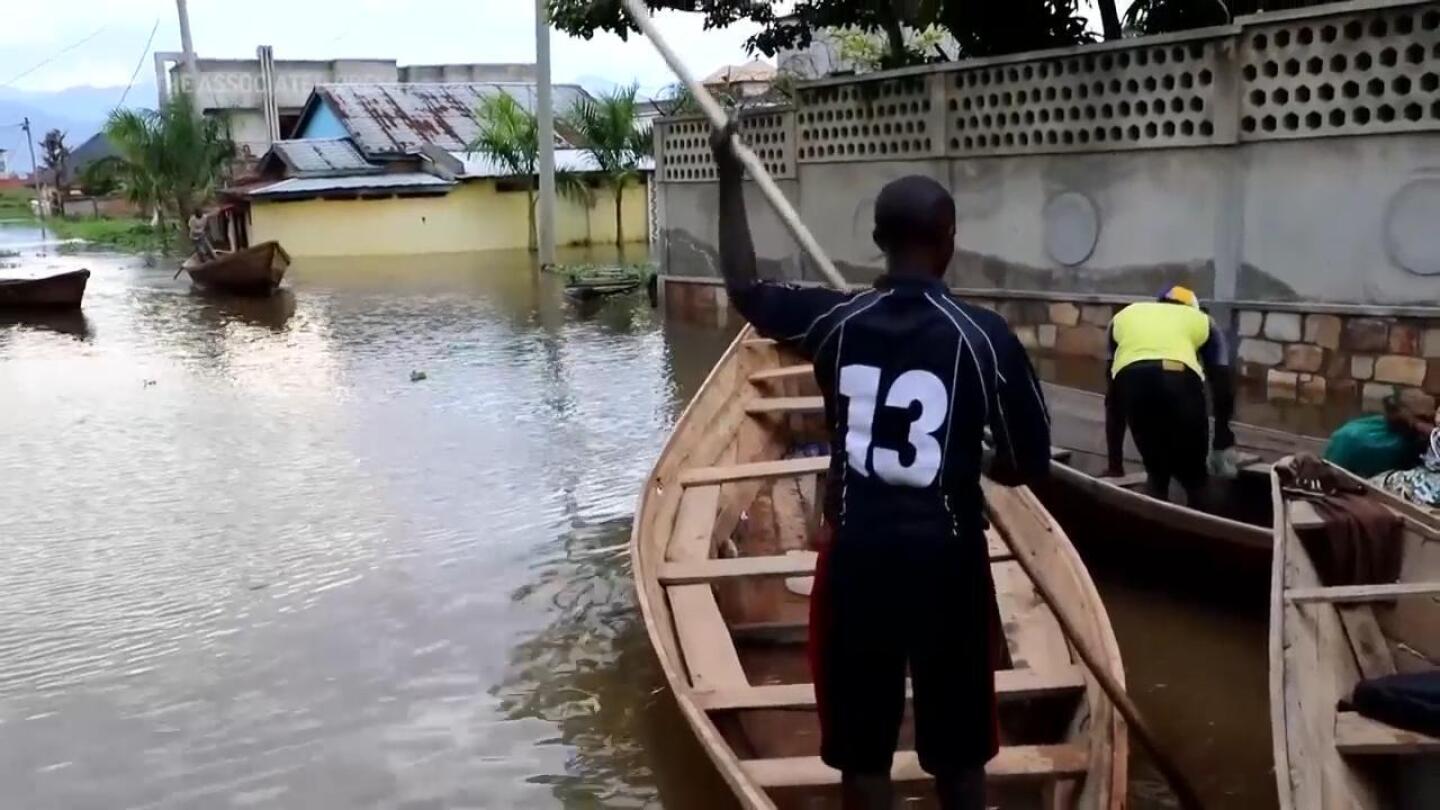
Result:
x=140 y=63
x=47 y=60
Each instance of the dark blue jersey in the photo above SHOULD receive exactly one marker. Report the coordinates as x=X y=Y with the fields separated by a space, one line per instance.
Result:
x=911 y=378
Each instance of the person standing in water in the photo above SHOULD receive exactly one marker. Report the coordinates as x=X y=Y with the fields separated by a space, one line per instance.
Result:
x=1162 y=354
x=911 y=378
x=199 y=235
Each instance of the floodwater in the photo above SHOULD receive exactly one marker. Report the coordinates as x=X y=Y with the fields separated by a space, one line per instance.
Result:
x=250 y=563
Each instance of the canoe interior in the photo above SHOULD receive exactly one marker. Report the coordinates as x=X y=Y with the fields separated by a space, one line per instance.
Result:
x=1235 y=519
x=1323 y=641
x=722 y=549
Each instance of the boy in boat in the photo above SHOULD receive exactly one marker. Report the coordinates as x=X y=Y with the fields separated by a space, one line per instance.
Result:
x=911 y=378
x=1377 y=443
x=1162 y=353
x=200 y=237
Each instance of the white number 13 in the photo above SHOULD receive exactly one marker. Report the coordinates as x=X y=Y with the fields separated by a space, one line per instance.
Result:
x=861 y=385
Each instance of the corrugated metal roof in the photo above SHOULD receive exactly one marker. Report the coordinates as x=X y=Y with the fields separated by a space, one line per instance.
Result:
x=566 y=160
x=318 y=157
x=397 y=119
x=387 y=183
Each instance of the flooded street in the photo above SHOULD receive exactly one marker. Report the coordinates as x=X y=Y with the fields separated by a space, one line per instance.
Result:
x=250 y=563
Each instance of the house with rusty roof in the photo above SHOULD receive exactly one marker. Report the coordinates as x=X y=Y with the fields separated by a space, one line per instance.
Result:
x=384 y=168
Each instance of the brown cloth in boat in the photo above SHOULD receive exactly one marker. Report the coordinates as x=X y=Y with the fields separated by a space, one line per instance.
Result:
x=1361 y=542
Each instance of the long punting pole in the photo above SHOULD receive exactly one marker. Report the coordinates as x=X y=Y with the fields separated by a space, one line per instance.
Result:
x=1183 y=790
x=719 y=119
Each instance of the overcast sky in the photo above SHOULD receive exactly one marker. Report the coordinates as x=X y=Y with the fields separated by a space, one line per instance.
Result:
x=412 y=31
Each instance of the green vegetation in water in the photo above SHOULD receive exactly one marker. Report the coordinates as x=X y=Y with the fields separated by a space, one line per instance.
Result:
x=128 y=235
x=596 y=274
x=15 y=204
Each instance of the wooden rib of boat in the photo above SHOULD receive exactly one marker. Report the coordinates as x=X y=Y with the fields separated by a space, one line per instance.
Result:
x=723 y=554
x=255 y=270
x=60 y=291
x=1079 y=422
x=1323 y=640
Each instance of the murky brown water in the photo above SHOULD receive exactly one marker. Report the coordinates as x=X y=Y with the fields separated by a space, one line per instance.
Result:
x=250 y=563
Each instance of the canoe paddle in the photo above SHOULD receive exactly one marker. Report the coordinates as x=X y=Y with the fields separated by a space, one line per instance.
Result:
x=1184 y=792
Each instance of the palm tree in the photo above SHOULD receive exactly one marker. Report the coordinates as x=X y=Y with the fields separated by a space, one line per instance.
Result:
x=510 y=137
x=170 y=159
x=612 y=135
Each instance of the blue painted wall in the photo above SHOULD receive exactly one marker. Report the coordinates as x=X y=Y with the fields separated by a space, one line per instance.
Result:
x=323 y=123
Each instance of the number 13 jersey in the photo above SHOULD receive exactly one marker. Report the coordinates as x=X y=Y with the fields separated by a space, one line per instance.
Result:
x=911 y=379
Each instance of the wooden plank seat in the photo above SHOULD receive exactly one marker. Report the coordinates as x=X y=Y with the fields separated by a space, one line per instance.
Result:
x=797 y=372
x=1304 y=516
x=1358 y=735
x=1012 y=764
x=1010 y=684
x=785 y=405
x=794 y=564
x=755 y=471
x=1363 y=593
x=701 y=628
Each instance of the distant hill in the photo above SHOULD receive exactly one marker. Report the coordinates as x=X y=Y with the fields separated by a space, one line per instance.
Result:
x=79 y=112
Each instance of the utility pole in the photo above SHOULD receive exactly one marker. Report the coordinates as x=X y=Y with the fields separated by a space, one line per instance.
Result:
x=545 y=115
x=192 y=73
x=34 y=168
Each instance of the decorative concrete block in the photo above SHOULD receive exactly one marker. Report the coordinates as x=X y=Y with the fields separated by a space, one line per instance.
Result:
x=1362 y=367
x=1343 y=390
x=1284 y=326
x=1430 y=344
x=1263 y=352
x=1374 y=395
x=1366 y=335
x=1064 y=313
x=1312 y=389
x=1304 y=357
x=1253 y=371
x=1249 y=323
x=1281 y=384
x=1323 y=330
x=1030 y=312
x=1400 y=370
x=1337 y=365
x=1417 y=400
x=1096 y=314
x=1045 y=332
x=1027 y=337
x=1404 y=339
x=1083 y=340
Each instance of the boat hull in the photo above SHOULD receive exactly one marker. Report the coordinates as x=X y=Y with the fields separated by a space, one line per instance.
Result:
x=254 y=270
x=58 y=292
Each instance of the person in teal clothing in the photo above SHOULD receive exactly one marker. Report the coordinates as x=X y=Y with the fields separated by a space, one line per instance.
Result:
x=1377 y=443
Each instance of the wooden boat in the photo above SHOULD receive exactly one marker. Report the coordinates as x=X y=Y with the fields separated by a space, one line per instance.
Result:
x=591 y=290
x=1241 y=525
x=1323 y=640
x=254 y=270
x=60 y=291
x=722 y=555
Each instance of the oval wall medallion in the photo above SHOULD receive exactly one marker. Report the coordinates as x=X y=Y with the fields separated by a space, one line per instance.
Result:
x=1412 y=237
x=1072 y=228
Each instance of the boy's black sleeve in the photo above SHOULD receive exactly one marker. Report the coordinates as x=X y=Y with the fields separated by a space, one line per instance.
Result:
x=1020 y=422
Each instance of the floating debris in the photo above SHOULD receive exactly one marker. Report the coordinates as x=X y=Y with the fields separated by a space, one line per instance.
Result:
x=417 y=376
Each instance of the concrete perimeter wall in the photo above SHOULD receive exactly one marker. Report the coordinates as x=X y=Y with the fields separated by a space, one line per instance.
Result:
x=1293 y=157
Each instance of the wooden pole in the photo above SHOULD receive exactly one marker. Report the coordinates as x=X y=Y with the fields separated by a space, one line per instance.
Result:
x=1184 y=791
x=719 y=119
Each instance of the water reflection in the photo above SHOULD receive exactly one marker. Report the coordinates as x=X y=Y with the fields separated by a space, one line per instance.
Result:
x=66 y=322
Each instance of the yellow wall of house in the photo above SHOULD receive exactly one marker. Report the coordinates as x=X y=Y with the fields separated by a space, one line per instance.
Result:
x=473 y=216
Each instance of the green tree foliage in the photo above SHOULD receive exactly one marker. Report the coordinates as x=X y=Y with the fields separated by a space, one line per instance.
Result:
x=510 y=137
x=611 y=133
x=982 y=27
x=1163 y=16
x=170 y=160
x=56 y=157
x=101 y=178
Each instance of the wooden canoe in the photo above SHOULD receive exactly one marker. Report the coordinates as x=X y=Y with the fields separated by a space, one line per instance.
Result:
x=1323 y=640
x=60 y=291
x=254 y=270
x=722 y=555
x=1241 y=524
x=587 y=291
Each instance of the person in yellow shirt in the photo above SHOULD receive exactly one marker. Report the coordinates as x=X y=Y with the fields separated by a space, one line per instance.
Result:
x=1162 y=354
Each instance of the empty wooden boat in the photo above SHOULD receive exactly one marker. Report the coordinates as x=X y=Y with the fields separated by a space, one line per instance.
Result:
x=723 y=554
x=254 y=270
x=1323 y=641
x=60 y=291
x=1239 y=522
